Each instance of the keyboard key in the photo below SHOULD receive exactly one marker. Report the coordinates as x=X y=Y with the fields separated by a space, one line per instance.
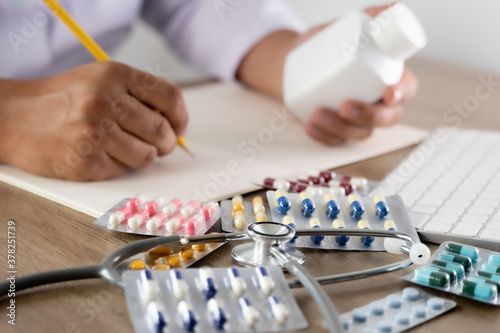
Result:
x=418 y=219
x=423 y=209
x=430 y=201
x=451 y=211
x=481 y=210
x=448 y=219
x=494 y=225
x=466 y=229
x=474 y=218
x=480 y=202
x=457 y=203
x=439 y=228
x=490 y=235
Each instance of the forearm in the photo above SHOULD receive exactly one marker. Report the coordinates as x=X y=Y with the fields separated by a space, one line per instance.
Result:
x=262 y=68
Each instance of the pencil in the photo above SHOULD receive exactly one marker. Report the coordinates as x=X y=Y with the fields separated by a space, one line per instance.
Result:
x=93 y=47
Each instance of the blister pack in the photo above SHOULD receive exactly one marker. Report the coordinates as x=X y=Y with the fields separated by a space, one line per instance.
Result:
x=158 y=217
x=339 y=184
x=212 y=300
x=323 y=210
x=462 y=270
x=397 y=312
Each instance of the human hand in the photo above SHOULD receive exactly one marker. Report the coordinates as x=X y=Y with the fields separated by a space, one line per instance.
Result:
x=355 y=120
x=91 y=123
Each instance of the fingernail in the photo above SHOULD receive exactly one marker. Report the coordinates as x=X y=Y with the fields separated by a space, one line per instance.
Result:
x=352 y=112
x=326 y=117
x=397 y=96
x=314 y=132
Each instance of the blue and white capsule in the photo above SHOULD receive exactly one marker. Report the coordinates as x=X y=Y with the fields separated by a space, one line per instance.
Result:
x=315 y=224
x=357 y=209
x=187 y=316
x=218 y=316
x=365 y=240
x=279 y=310
x=282 y=202
x=148 y=286
x=236 y=282
x=381 y=208
x=331 y=206
x=156 y=317
x=307 y=204
x=290 y=221
x=209 y=288
x=341 y=240
x=390 y=225
x=266 y=283
x=250 y=314
x=179 y=286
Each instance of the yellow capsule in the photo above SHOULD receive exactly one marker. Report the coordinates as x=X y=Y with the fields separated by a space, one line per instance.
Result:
x=338 y=224
x=378 y=198
x=363 y=224
x=186 y=253
x=288 y=219
x=328 y=197
x=304 y=195
x=259 y=208
x=261 y=217
x=390 y=225
x=314 y=223
x=257 y=201
x=160 y=251
x=200 y=247
x=237 y=206
x=137 y=264
x=279 y=194
x=161 y=267
x=352 y=198
x=173 y=260
x=237 y=199
x=240 y=221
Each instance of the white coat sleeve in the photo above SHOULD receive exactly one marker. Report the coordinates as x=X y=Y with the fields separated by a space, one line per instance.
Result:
x=215 y=35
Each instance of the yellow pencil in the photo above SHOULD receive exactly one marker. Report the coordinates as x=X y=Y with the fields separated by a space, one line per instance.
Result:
x=92 y=46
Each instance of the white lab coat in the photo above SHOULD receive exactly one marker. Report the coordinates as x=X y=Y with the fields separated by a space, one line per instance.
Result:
x=212 y=35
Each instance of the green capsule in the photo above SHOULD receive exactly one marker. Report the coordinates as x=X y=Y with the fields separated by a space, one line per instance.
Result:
x=484 y=280
x=488 y=275
x=466 y=262
x=451 y=273
x=491 y=268
x=467 y=251
x=450 y=265
x=480 y=290
x=429 y=278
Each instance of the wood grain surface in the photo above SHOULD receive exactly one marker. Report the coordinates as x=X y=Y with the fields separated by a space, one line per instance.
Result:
x=50 y=236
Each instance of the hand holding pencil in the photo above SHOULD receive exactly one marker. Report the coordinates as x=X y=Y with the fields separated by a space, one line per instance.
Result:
x=94 y=48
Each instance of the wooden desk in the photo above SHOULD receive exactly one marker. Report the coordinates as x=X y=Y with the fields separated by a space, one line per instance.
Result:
x=50 y=236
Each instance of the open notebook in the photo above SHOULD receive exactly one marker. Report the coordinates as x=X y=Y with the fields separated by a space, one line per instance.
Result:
x=238 y=136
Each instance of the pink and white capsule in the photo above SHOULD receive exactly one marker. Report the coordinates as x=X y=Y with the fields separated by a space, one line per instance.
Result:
x=156 y=221
x=175 y=223
x=155 y=205
x=191 y=207
x=172 y=208
x=139 y=219
x=126 y=211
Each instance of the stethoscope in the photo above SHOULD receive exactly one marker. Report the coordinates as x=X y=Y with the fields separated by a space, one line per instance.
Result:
x=270 y=246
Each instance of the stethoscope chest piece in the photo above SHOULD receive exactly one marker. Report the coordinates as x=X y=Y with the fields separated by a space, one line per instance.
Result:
x=265 y=235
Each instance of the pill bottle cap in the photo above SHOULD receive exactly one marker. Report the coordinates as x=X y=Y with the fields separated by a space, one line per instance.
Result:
x=397 y=32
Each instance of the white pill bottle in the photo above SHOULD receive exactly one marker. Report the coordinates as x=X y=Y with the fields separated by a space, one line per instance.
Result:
x=355 y=58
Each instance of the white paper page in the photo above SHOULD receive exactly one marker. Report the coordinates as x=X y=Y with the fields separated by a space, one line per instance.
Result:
x=257 y=128
x=222 y=117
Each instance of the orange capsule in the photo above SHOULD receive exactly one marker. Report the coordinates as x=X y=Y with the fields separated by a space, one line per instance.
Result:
x=160 y=251
x=161 y=267
x=174 y=260
x=186 y=253
x=137 y=264
x=200 y=247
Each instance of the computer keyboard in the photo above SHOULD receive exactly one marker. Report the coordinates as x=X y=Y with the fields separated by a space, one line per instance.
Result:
x=451 y=186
